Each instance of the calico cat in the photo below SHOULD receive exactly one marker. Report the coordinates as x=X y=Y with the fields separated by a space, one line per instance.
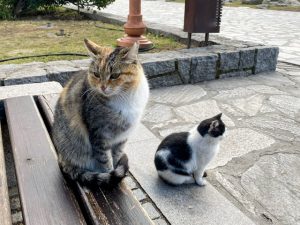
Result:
x=182 y=157
x=95 y=114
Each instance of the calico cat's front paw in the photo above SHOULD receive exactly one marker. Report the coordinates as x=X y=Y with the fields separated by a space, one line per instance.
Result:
x=201 y=181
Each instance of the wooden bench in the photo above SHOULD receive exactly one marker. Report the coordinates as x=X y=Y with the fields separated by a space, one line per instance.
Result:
x=46 y=197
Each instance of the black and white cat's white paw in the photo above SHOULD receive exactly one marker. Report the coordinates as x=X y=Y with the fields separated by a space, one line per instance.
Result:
x=200 y=181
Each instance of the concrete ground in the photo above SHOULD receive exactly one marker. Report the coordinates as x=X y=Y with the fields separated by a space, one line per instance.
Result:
x=255 y=178
x=280 y=28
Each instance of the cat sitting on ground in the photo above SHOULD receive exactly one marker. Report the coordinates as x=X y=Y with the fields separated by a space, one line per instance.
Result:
x=95 y=114
x=181 y=158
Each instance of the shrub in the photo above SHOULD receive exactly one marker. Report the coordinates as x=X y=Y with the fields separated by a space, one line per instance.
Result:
x=13 y=8
x=6 y=9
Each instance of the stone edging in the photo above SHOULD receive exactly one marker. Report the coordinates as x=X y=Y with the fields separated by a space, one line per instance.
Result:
x=162 y=69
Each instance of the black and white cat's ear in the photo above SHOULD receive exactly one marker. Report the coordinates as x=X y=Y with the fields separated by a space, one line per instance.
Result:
x=218 y=116
x=132 y=55
x=93 y=49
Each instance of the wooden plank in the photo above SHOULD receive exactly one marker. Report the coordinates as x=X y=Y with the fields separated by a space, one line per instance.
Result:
x=117 y=206
x=5 y=216
x=45 y=196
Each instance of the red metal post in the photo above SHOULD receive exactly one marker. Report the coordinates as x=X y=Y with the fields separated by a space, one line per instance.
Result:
x=134 y=28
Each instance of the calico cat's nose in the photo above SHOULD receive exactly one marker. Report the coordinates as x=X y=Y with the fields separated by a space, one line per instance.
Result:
x=103 y=88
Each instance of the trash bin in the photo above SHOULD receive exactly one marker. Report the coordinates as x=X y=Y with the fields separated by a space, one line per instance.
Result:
x=202 y=16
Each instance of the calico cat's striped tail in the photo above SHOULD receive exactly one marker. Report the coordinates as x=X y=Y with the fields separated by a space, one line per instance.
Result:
x=101 y=179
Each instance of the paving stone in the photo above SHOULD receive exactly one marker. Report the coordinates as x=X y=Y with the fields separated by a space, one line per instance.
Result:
x=203 y=68
x=130 y=183
x=275 y=124
x=265 y=89
x=232 y=111
x=158 y=113
x=151 y=211
x=141 y=133
x=287 y=104
x=160 y=222
x=274 y=182
x=272 y=79
x=266 y=109
x=293 y=73
x=199 y=111
x=266 y=59
x=250 y=105
x=234 y=93
x=181 y=128
x=236 y=74
x=139 y=194
x=229 y=61
x=165 y=81
x=238 y=142
x=229 y=83
x=247 y=57
x=178 y=94
x=209 y=206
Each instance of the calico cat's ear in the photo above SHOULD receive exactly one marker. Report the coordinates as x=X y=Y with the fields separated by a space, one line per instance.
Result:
x=132 y=55
x=93 y=48
x=218 y=116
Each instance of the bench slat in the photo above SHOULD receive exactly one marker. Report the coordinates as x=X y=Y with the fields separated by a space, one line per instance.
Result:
x=117 y=206
x=5 y=216
x=45 y=197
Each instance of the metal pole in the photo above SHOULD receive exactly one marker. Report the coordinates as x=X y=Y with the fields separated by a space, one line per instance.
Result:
x=206 y=38
x=189 y=40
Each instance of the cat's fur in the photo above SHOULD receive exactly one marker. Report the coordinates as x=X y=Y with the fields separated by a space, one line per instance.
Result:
x=182 y=157
x=95 y=114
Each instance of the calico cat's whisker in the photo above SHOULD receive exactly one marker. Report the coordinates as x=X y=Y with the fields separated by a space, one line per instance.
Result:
x=86 y=92
x=93 y=93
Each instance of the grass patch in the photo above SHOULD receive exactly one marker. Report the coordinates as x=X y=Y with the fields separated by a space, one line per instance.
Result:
x=28 y=37
x=281 y=8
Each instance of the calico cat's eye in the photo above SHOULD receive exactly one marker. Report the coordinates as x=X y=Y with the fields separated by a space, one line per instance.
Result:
x=114 y=76
x=96 y=74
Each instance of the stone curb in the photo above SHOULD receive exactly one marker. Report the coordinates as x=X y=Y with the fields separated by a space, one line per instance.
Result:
x=162 y=69
x=27 y=89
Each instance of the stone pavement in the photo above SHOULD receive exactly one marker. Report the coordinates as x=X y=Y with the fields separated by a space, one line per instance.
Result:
x=255 y=178
x=279 y=28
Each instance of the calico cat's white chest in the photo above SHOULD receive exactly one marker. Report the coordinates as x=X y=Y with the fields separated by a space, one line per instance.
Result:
x=131 y=108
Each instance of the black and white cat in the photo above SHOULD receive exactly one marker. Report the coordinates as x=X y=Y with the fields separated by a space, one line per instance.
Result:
x=182 y=157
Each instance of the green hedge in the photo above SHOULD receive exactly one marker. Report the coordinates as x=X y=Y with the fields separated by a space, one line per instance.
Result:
x=10 y=9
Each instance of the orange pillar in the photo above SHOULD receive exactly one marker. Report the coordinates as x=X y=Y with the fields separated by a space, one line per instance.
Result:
x=134 y=28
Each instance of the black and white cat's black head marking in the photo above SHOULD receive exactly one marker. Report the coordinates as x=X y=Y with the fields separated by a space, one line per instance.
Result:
x=213 y=127
x=182 y=157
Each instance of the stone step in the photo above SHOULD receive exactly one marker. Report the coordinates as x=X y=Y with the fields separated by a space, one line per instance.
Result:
x=27 y=89
x=189 y=204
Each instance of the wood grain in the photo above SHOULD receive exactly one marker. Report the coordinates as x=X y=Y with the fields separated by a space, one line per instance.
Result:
x=116 y=206
x=45 y=196
x=5 y=216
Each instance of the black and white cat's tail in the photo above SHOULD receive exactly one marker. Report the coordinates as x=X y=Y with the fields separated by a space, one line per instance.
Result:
x=101 y=179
